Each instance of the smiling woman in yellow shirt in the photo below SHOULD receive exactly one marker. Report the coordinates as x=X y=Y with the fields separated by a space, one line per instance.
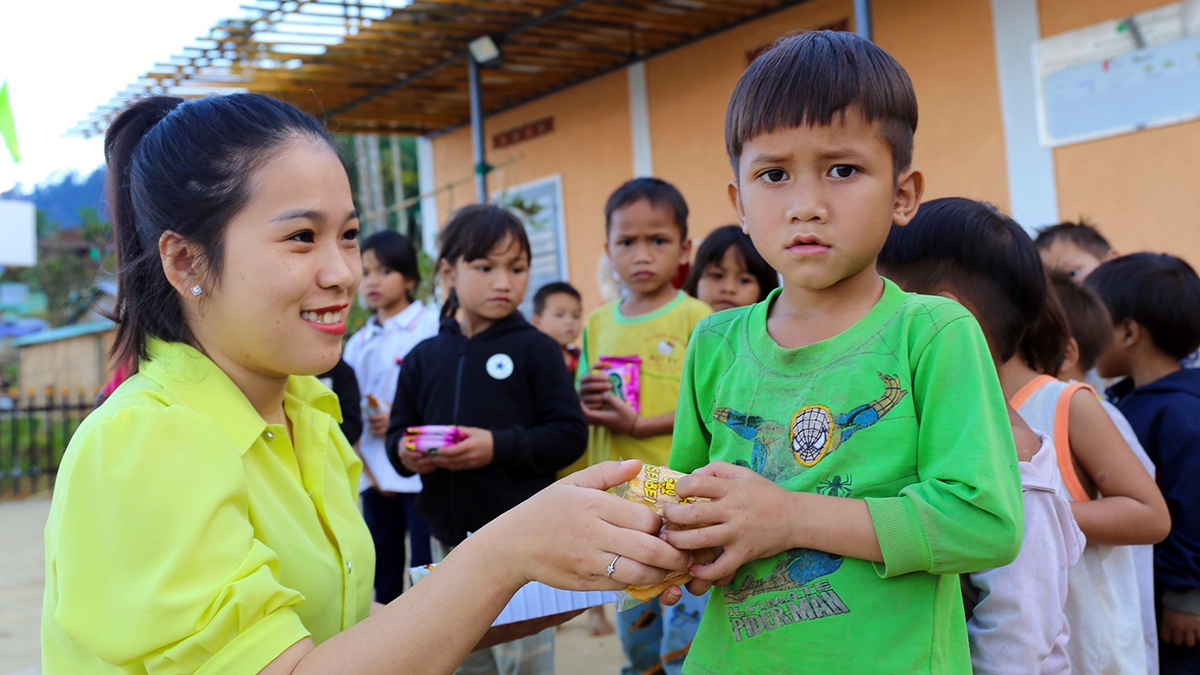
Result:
x=205 y=516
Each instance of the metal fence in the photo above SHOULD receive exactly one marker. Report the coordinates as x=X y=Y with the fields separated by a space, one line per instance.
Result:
x=34 y=432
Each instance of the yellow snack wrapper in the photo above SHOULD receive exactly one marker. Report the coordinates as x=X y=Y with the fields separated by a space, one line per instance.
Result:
x=654 y=487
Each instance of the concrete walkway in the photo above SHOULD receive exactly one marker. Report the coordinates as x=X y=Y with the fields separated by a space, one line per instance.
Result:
x=22 y=576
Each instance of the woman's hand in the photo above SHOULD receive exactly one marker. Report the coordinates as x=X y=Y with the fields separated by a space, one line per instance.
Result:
x=567 y=535
x=474 y=452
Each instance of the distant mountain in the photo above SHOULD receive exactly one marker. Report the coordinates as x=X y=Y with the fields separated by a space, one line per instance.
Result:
x=62 y=200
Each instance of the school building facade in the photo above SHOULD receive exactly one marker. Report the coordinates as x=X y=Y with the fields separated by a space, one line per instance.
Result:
x=970 y=62
x=1051 y=109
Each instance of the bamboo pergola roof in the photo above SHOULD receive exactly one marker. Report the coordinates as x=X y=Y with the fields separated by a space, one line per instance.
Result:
x=395 y=66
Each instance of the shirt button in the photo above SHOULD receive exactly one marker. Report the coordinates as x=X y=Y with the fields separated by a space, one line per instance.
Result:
x=270 y=436
x=349 y=567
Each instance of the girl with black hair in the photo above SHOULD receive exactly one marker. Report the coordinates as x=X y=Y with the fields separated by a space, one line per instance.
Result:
x=729 y=272
x=400 y=322
x=205 y=517
x=502 y=382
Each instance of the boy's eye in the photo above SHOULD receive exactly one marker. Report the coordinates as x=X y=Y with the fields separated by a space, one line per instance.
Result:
x=842 y=171
x=351 y=234
x=747 y=280
x=774 y=175
x=659 y=241
x=305 y=237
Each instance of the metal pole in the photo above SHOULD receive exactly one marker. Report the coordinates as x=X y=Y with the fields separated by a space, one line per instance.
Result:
x=398 y=184
x=477 y=130
x=378 y=213
x=862 y=19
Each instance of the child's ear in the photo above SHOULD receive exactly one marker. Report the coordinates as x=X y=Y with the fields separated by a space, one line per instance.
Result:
x=685 y=252
x=948 y=294
x=536 y=320
x=1131 y=333
x=910 y=187
x=1072 y=356
x=735 y=198
x=446 y=270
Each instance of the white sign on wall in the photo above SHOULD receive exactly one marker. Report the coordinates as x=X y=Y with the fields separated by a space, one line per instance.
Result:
x=18 y=233
x=1120 y=76
x=546 y=229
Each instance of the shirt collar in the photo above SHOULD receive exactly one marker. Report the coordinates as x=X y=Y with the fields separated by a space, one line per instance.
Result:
x=406 y=318
x=193 y=380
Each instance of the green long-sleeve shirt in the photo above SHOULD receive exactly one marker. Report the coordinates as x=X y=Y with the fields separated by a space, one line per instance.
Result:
x=904 y=410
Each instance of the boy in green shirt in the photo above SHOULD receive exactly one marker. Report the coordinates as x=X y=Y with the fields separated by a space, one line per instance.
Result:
x=853 y=438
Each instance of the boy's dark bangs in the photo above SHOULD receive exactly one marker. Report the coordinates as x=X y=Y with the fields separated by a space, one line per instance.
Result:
x=808 y=79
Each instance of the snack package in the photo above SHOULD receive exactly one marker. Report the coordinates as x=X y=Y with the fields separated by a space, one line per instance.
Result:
x=431 y=437
x=372 y=406
x=623 y=373
x=654 y=486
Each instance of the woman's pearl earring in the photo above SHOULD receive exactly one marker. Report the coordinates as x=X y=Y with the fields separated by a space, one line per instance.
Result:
x=196 y=291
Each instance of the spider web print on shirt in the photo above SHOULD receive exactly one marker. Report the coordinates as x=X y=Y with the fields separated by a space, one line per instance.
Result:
x=813 y=433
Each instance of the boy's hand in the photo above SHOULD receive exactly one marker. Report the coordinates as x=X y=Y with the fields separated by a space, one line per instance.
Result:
x=474 y=452
x=1179 y=628
x=615 y=415
x=416 y=462
x=749 y=516
x=378 y=424
x=592 y=389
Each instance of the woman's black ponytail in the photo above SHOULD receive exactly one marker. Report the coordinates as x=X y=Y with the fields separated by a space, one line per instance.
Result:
x=183 y=167
x=138 y=265
x=472 y=233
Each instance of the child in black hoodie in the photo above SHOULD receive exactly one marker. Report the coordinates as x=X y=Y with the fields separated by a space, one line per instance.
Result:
x=1154 y=301
x=503 y=383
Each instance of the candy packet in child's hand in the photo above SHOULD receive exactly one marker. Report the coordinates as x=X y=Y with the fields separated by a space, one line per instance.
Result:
x=654 y=487
x=623 y=373
x=372 y=406
x=432 y=437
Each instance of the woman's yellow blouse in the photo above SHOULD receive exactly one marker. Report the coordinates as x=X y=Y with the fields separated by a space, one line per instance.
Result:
x=186 y=534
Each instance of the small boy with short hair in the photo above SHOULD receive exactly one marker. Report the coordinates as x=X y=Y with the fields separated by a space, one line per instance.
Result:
x=1073 y=248
x=1090 y=326
x=647 y=240
x=853 y=438
x=1153 y=300
x=558 y=312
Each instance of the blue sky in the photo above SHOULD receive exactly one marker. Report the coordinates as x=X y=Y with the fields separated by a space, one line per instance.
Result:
x=64 y=59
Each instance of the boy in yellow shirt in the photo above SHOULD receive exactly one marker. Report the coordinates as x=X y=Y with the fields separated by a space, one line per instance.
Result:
x=646 y=228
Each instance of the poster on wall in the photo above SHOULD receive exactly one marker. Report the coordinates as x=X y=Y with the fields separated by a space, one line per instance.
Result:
x=1120 y=76
x=539 y=205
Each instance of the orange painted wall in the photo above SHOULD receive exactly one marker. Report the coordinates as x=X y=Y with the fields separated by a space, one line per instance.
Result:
x=960 y=140
x=1141 y=189
x=946 y=45
x=590 y=147
x=688 y=90
x=948 y=49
